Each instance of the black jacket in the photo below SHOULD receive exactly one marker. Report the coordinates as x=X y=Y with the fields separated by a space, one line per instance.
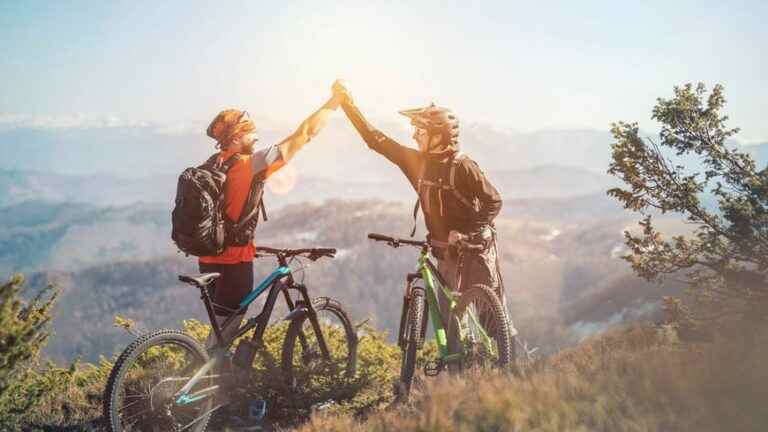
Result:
x=443 y=212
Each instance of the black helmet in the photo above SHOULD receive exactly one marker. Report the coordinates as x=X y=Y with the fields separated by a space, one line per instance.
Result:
x=437 y=119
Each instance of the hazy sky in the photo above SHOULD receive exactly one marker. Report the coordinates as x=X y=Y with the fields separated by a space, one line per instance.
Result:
x=521 y=65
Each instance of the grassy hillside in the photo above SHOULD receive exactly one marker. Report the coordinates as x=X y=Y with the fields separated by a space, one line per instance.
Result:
x=634 y=379
x=638 y=378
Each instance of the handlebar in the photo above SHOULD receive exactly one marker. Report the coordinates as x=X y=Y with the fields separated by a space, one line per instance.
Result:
x=311 y=253
x=397 y=242
x=379 y=237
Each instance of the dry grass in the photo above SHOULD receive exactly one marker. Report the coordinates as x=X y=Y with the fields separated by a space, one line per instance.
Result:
x=628 y=380
x=631 y=379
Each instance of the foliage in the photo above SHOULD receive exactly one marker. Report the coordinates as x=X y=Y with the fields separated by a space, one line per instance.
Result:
x=73 y=396
x=377 y=367
x=725 y=260
x=631 y=379
x=23 y=333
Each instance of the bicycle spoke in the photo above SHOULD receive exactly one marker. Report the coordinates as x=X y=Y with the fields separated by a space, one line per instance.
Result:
x=129 y=405
x=145 y=393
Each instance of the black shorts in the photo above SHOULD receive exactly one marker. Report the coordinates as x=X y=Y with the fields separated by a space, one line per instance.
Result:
x=230 y=289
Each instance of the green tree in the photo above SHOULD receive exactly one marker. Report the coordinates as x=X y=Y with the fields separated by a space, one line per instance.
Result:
x=725 y=259
x=23 y=333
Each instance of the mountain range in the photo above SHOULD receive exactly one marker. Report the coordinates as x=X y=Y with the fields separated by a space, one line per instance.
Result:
x=88 y=210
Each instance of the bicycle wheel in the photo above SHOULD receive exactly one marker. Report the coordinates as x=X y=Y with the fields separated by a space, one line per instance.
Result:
x=479 y=328
x=140 y=391
x=412 y=334
x=306 y=369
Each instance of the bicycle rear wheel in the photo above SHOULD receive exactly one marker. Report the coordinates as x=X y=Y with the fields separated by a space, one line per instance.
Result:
x=139 y=395
x=306 y=369
x=479 y=328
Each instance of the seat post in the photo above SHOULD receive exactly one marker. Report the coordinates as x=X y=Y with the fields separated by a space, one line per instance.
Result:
x=206 y=298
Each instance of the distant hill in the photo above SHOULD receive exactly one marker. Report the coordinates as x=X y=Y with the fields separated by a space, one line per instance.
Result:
x=550 y=181
x=558 y=271
x=337 y=153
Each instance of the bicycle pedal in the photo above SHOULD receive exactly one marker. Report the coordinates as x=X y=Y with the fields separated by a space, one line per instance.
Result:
x=257 y=410
x=433 y=368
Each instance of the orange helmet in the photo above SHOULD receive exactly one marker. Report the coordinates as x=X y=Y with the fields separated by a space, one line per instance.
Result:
x=229 y=125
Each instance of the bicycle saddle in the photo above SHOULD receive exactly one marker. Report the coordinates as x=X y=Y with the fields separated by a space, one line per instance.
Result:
x=200 y=280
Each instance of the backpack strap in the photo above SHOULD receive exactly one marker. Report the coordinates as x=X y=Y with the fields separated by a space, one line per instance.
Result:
x=256 y=208
x=229 y=163
x=416 y=206
x=452 y=182
x=213 y=162
x=450 y=186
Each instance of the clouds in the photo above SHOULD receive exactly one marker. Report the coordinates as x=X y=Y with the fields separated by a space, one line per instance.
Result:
x=67 y=121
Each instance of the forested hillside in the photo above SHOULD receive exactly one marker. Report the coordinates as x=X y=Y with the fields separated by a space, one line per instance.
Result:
x=561 y=267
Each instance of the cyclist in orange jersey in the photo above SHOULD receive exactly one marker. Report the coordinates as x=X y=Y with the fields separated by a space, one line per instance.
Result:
x=235 y=132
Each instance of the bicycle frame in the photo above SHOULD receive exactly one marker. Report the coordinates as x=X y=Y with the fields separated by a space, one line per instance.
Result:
x=280 y=280
x=432 y=279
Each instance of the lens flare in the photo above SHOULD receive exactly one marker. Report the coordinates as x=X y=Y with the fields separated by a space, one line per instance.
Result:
x=283 y=180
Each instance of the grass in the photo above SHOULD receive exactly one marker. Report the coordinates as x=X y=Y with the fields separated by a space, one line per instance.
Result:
x=630 y=379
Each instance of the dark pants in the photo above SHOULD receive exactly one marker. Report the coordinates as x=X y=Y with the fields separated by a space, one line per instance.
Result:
x=476 y=268
x=230 y=289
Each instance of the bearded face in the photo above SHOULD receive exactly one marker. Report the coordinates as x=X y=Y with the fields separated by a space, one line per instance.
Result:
x=247 y=142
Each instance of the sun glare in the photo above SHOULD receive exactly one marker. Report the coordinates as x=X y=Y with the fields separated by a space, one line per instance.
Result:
x=284 y=180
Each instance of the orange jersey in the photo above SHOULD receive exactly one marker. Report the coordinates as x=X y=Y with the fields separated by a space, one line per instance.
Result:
x=236 y=191
x=267 y=160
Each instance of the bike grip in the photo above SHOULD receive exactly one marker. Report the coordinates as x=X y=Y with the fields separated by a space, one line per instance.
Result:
x=324 y=251
x=379 y=237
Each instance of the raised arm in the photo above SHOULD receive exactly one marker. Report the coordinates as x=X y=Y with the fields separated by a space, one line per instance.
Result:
x=270 y=159
x=406 y=158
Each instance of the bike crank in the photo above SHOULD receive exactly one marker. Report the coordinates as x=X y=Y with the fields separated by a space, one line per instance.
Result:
x=433 y=367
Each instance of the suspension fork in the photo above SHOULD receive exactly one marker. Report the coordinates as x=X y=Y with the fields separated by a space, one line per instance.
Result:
x=310 y=312
x=407 y=296
x=291 y=283
x=312 y=315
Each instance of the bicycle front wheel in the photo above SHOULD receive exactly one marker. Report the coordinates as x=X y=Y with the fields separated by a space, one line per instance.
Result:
x=412 y=333
x=303 y=364
x=479 y=329
x=144 y=380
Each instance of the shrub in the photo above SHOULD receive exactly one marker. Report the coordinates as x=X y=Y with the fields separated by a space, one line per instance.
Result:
x=23 y=333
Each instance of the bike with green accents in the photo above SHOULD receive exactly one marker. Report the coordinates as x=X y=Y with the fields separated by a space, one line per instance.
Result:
x=473 y=332
x=167 y=381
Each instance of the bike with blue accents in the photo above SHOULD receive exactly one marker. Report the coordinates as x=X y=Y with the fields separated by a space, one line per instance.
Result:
x=167 y=381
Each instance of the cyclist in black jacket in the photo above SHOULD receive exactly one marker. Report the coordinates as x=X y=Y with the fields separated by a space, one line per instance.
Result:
x=457 y=199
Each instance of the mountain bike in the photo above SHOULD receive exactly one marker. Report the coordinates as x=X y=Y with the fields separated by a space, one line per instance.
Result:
x=474 y=332
x=165 y=380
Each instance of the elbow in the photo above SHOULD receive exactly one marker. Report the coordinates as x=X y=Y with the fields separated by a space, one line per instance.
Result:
x=492 y=209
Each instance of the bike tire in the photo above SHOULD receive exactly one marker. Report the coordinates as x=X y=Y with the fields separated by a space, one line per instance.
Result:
x=414 y=322
x=496 y=325
x=322 y=305
x=128 y=358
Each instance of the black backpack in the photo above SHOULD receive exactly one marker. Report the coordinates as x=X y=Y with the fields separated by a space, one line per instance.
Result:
x=199 y=223
x=423 y=188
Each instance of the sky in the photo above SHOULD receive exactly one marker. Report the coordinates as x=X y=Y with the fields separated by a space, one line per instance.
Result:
x=517 y=65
